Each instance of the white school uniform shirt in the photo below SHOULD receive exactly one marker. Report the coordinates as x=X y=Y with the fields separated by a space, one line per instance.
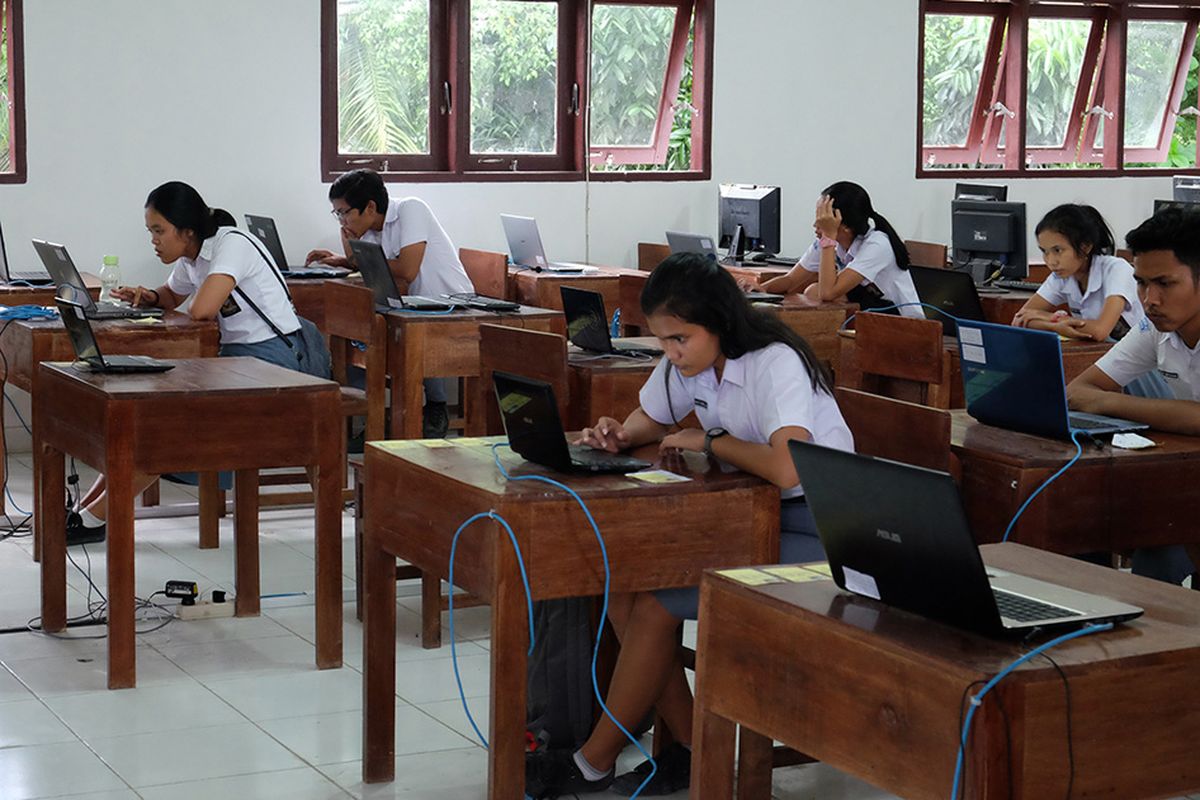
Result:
x=1107 y=276
x=409 y=220
x=871 y=256
x=241 y=257
x=1145 y=349
x=758 y=394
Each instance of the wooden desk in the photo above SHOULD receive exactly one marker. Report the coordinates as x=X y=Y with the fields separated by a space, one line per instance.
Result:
x=19 y=295
x=608 y=386
x=1111 y=499
x=308 y=296
x=207 y=414
x=541 y=289
x=876 y=692
x=1001 y=307
x=417 y=494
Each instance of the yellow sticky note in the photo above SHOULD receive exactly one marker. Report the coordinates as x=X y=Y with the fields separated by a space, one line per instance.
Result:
x=750 y=576
x=396 y=446
x=147 y=321
x=658 y=476
x=796 y=574
x=820 y=567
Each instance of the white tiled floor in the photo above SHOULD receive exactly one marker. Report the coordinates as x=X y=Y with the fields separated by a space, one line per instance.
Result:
x=233 y=707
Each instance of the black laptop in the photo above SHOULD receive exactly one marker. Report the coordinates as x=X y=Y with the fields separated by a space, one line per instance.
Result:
x=587 y=325
x=377 y=275
x=952 y=291
x=535 y=430
x=75 y=320
x=1013 y=378
x=62 y=269
x=34 y=277
x=264 y=228
x=921 y=556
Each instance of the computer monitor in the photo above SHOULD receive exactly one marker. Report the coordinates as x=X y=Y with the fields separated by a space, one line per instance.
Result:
x=980 y=191
x=1186 y=188
x=1184 y=205
x=756 y=209
x=988 y=235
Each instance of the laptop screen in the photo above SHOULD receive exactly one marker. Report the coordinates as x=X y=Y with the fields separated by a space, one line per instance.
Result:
x=376 y=273
x=587 y=323
x=524 y=241
x=80 y=331
x=531 y=420
x=62 y=269
x=264 y=229
x=3 y=260
x=692 y=243
x=952 y=291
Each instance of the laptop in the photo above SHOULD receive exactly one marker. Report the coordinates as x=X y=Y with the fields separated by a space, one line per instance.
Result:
x=32 y=277
x=922 y=557
x=587 y=325
x=535 y=430
x=75 y=320
x=1013 y=378
x=377 y=275
x=705 y=246
x=62 y=269
x=264 y=229
x=952 y=291
x=525 y=247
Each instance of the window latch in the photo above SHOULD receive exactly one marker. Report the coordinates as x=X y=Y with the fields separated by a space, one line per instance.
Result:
x=1000 y=108
x=1099 y=111
x=575 y=99
x=447 y=99
x=1190 y=111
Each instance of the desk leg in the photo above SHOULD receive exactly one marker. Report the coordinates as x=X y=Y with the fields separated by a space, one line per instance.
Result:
x=245 y=542
x=211 y=506
x=712 y=755
x=328 y=538
x=122 y=665
x=52 y=510
x=379 y=663
x=510 y=641
x=406 y=366
x=151 y=496
x=755 y=753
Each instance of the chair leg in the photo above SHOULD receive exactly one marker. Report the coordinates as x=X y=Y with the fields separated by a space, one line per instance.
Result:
x=431 y=611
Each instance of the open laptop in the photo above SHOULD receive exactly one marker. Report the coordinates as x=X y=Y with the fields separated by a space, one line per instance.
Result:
x=264 y=229
x=377 y=275
x=952 y=291
x=33 y=277
x=525 y=247
x=705 y=245
x=922 y=557
x=62 y=269
x=587 y=325
x=75 y=320
x=1013 y=378
x=535 y=430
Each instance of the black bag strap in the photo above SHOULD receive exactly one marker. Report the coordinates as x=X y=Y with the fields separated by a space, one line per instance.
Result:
x=251 y=303
x=270 y=264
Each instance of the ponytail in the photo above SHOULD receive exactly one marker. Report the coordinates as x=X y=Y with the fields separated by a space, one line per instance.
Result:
x=1081 y=225
x=898 y=248
x=854 y=204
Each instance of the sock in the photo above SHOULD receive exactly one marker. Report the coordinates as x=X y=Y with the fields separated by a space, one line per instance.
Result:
x=89 y=519
x=588 y=771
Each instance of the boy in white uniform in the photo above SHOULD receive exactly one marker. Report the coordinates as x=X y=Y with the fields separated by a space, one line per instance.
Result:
x=423 y=259
x=1166 y=251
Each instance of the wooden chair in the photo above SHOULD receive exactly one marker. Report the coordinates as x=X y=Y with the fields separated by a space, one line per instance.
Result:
x=926 y=254
x=531 y=354
x=898 y=430
x=488 y=271
x=651 y=254
x=898 y=357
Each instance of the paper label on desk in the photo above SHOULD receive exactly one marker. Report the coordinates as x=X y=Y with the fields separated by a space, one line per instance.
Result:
x=433 y=443
x=1132 y=441
x=974 y=353
x=821 y=567
x=147 y=321
x=796 y=574
x=657 y=476
x=860 y=583
x=750 y=576
x=970 y=335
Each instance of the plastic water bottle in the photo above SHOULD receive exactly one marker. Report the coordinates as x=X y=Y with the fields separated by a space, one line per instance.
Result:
x=615 y=329
x=110 y=278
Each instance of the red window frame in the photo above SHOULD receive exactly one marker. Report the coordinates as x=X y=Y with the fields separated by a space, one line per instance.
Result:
x=15 y=27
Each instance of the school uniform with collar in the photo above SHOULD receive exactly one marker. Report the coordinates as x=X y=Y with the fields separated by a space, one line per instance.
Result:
x=871 y=256
x=408 y=221
x=1107 y=276
x=758 y=393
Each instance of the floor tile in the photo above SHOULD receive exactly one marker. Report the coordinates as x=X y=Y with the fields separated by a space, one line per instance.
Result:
x=146 y=709
x=28 y=722
x=426 y=681
x=53 y=770
x=209 y=660
x=293 y=784
x=292 y=695
x=461 y=774
x=64 y=675
x=11 y=688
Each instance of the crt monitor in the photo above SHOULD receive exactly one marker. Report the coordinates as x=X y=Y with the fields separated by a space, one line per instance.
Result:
x=980 y=191
x=988 y=235
x=756 y=209
x=1185 y=205
x=1185 y=188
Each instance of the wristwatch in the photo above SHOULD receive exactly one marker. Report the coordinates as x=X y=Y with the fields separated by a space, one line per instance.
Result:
x=709 y=435
x=826 y=242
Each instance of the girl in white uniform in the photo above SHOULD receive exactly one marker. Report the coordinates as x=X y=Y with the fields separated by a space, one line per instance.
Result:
x=853 y=259
x=754 y=385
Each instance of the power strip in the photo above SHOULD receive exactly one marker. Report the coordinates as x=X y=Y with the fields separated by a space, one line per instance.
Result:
x=205 y=609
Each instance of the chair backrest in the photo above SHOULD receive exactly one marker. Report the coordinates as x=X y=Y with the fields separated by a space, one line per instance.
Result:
x=898 y=430
x=903 y=357
x=488 y=271
x=350 y=317
x=531 y=354
x=630 y=288
x=926 y=254
x=819 y=327
x=651 y=254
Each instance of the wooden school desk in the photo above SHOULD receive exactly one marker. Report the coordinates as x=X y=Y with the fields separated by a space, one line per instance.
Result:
x=541 y=289
x=20 y=295
x=308 y=296
x=878 y=692
x=1111 y=499
x=206 y=414
x=657 y=536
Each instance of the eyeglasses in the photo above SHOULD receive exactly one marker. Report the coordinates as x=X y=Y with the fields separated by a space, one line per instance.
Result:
x=341 y=213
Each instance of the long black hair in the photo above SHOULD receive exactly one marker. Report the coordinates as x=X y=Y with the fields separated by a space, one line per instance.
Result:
x=1080 y=225
x=183 y=207
x=854 y=204
x=699 y=291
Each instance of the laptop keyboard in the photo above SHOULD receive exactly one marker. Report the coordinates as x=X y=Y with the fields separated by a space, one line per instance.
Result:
x=1086 y=424
x=1020 y=286
x=1023 y=609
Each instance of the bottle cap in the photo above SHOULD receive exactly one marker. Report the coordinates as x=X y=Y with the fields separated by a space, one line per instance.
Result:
x=111 y=261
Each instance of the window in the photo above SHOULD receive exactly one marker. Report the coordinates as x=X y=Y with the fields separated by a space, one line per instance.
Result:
x=516 y=89
x=12 y=107
x=1039 y=88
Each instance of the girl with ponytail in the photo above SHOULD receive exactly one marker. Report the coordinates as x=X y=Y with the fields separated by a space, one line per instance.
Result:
x=857 y=256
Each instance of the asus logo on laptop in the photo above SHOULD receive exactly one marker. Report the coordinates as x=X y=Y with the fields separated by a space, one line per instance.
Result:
x=888 y=535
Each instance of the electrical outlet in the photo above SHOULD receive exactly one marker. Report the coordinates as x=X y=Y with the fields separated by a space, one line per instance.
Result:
x=205 y=609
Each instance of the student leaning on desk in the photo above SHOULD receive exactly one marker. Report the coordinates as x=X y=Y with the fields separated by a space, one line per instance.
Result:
x=229 y=277
x=1166 y=251
x=423 y=259
x=754 y=384
x=851 y=258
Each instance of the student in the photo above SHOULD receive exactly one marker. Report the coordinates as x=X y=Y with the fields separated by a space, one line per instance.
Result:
x=1095 y=285
x=1166 y=251
x=754 y=384
x=423 y=259
x=229 y=277
x=852 y=259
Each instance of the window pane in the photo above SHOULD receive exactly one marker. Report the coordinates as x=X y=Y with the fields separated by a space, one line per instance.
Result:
x=955 y=47
x=5 y=94
x=514 y=76
x=1181 y=150
x=1151 y=55
x=383 y=76
x=630 y=45
x=1056 y=48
